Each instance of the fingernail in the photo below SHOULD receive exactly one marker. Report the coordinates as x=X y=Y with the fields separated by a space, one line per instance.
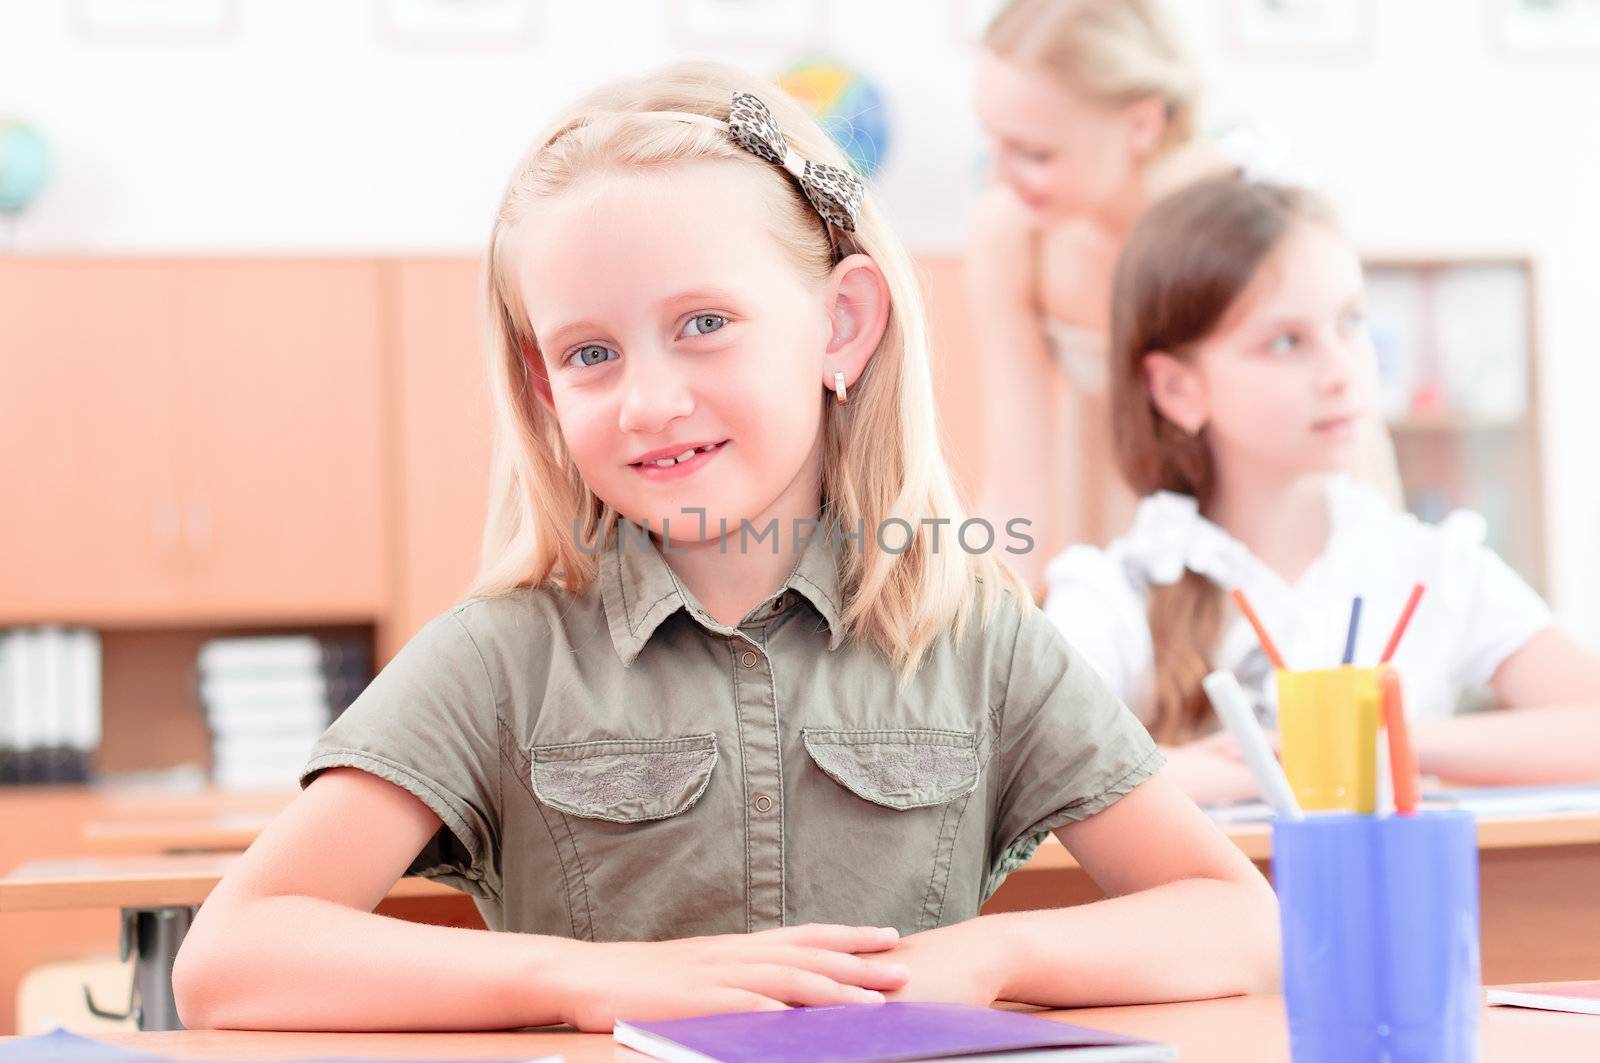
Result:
x=897 y=970
x=872 y=996
x=889 y=930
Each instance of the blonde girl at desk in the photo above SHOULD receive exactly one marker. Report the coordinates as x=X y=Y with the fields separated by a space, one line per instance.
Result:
x=680 y=768
x=1242 y=376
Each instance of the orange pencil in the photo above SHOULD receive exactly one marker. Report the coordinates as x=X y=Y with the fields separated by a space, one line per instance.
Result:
x=1402 y=759
x=1261 y=632
x=1400 y=628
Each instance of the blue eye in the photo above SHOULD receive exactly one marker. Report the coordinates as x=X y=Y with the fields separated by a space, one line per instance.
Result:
x=1354 y=320
x=1284 y=343
x=591 y=354
x=704 y=324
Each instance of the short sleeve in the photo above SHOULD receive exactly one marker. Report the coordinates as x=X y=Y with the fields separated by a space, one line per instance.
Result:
x=1500 y=611
x=1067 y=747
x=1092 y=603
x=427 y=724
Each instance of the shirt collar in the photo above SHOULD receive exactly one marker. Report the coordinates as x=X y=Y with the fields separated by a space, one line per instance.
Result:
x=816 y=577
x=639 y=590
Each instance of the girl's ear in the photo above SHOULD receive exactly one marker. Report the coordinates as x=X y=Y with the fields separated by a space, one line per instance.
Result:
x=533 y=365
x=1177 y=391
x=858 y=310
x=1146 y=124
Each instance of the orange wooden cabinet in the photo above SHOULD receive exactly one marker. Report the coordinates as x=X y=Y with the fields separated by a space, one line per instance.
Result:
x=191 y=440
x=440 y=446
x=90 y=524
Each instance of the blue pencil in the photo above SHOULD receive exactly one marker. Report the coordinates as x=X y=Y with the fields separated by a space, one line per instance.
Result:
x=1350 y=639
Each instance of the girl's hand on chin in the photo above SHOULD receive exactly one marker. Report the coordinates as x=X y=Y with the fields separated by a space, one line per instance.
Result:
x=770 y=970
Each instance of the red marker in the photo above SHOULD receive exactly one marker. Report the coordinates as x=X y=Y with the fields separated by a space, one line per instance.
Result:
x=1400 y=628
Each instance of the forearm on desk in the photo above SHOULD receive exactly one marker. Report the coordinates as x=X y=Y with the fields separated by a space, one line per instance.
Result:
x=1187 y=940
x=1556 y=744
x=301 y=963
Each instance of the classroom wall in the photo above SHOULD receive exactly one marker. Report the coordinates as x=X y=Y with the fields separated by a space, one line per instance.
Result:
x=305 y=129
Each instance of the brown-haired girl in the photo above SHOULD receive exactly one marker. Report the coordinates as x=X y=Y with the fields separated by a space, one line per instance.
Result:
x=1241 y=374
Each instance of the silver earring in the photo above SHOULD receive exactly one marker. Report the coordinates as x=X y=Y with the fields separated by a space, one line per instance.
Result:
x=838 y=388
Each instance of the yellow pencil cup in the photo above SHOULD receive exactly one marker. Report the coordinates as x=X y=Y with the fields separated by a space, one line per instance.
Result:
x=1328 y=719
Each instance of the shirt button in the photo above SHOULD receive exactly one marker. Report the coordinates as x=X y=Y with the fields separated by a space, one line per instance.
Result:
x=748 y=658
x=762 y=803
x=778 y=603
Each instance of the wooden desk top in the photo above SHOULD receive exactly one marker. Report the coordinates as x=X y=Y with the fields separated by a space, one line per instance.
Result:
x=177 y=880
x=188 y=878
x=230 y=832
x=140 y=802
x=1231 y=1030
x=1501 y=832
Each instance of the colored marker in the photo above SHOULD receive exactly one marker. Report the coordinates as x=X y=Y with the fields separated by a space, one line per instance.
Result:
x=1400 y=628
x=1402 y=758
x=1261 y=632
x=1234 y=708
x=1350 y=637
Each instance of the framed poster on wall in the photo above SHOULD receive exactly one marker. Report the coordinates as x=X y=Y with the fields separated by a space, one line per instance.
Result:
x=1546 y=29
x=1335 y=30
x=155 y=21
x=793 y=25
x=476 y=23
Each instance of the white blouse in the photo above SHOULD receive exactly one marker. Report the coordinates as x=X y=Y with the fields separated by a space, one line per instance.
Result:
x=1476 y=611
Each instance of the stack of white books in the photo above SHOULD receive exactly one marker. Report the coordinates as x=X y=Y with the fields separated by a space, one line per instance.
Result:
x=49 y=705
x=267 y=698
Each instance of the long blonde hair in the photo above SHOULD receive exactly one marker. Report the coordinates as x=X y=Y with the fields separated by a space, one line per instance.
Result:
x=1115 y=52
x=881 y=457
x=1183 y=269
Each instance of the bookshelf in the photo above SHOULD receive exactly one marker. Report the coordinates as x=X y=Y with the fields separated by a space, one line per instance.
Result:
x=195 y=447
x=1458 y=355
x=150 y=716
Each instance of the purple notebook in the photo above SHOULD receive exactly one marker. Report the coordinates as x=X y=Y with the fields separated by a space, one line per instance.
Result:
x=880 y=1033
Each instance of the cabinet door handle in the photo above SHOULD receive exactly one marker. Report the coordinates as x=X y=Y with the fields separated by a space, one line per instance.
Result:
x=197 y=525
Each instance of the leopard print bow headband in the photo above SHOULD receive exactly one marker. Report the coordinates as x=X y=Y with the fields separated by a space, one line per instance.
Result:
x=834 y=192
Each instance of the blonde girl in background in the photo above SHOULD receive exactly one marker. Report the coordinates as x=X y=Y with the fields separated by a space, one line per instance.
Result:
x=1242 y=374
x=1090 y=107
x=681 y=770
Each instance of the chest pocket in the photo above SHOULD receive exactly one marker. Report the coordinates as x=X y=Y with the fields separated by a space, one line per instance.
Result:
x=616 y=810
x=898 y=769
x=916 y=784
x=624 y=781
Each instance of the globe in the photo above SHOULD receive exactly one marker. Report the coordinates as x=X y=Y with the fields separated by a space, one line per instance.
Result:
x=848 y=106
x=24 y=165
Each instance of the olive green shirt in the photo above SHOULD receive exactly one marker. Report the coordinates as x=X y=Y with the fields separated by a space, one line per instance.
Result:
x=620 y=766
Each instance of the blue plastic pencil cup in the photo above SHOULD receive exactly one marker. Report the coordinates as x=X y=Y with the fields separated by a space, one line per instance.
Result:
x=1380 y=936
